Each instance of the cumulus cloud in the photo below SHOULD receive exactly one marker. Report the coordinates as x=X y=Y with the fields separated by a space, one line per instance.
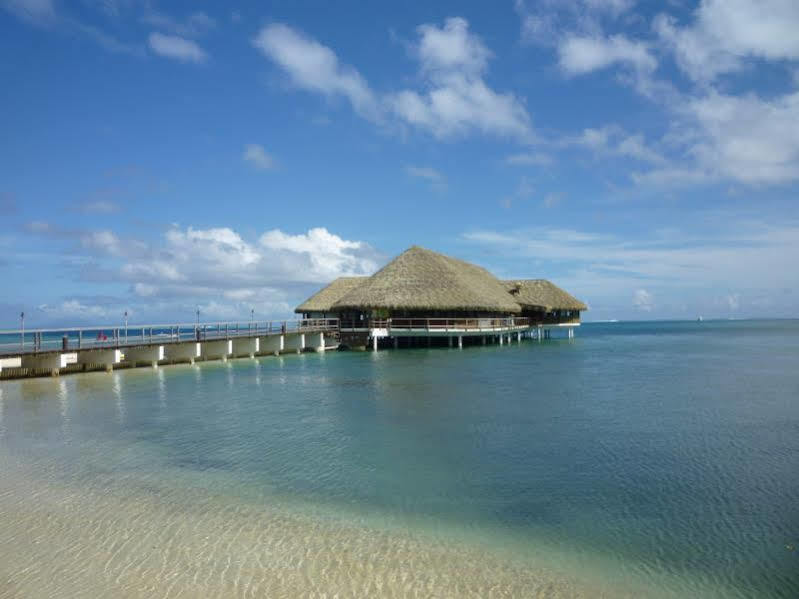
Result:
x=742 y=138
x=579 y=55
x=189 y=265
x=726 y=32
x=457 y=101
x=176 y=47
x=256 y=155
x=278 y=269
x=315 y=67
x=713 y=134
x=103 y=241
x=452 y=61
x=324 y=255
x=614 y=140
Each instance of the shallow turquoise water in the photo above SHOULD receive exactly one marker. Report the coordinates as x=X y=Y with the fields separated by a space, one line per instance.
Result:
x=656 y=456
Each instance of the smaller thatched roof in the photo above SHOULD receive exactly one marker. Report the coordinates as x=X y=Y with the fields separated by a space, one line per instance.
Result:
x=420 y=279
x=324 y=299
x=540 y=293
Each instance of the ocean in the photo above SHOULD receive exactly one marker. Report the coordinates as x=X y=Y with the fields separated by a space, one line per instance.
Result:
x=645 y=459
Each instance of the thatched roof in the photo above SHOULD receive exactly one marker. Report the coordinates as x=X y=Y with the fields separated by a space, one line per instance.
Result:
x=540 y=293
x=420 y=279
x=323 y=300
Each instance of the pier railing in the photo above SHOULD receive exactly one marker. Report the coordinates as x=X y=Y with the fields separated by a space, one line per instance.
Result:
x=17 y=342
x=439 y=324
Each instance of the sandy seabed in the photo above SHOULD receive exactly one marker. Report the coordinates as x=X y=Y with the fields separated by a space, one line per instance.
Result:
x=60 y=540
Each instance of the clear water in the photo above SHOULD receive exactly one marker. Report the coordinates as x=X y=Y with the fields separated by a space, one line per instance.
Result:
x=639 y=459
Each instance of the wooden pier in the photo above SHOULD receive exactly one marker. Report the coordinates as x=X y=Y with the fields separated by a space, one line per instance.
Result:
x=50 y=352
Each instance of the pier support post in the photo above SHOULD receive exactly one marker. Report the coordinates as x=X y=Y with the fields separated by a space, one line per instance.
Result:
x=449 y=340
x=396 y=342
x=273 y=344
x=500 y=340
x=294 y=342
x=219 y=349
x=460 y=341
x=182 y=352
x=246 y=346
x=151 y=354
x=483 y=339
x=99 y=358
x=374 y=343
x=51 y=362
x=316 y=341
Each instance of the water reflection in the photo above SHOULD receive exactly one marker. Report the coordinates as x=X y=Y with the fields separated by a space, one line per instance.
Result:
x=231 y=379
x=257 y=372
x=119 y=401
x=63 y=405
x=161 y=389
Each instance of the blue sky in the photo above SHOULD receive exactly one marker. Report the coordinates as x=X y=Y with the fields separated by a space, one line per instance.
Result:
x=157 y=157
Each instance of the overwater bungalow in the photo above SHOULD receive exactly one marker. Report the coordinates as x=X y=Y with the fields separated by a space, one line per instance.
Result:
x=544 y=302
x=425 y=297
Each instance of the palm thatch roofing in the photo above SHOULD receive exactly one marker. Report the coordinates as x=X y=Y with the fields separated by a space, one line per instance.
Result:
x=420 y=279
x=323 y=300
x=540 y=293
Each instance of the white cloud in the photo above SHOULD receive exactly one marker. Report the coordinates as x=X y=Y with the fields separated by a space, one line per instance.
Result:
x=643 y=300
x=217 y=268
x=725 y=32
x=104 y=241
x=258 y=157
x=450 y=48
x=675 y=267
x=740 y=138
x=545 y=21
x=455 y=99
x=747 y=138
x=173 y=46
x=579 y=55
x=327 y=255
x=190 y=265
x=314 y=67
x=74 y=309
x=614 y=140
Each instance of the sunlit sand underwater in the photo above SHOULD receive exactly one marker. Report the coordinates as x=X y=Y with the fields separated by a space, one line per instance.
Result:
x=656 y=460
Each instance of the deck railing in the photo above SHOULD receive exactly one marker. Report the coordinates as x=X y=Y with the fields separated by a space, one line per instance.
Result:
x=16 y=342
x=438 y=324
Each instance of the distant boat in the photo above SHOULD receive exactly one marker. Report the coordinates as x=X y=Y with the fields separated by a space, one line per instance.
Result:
x=699 y=319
